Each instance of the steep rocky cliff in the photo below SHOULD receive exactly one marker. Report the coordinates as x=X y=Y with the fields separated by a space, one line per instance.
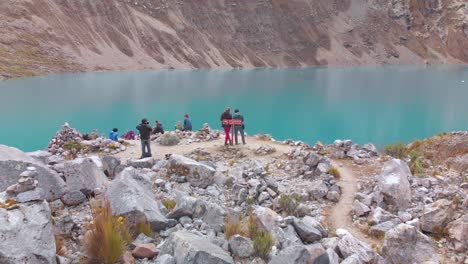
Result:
x=53 y=36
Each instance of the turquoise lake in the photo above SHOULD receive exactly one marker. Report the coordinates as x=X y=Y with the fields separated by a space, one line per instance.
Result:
x=370 y=104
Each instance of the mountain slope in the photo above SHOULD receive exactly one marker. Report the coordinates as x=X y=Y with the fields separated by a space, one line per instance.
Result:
x=54 y=36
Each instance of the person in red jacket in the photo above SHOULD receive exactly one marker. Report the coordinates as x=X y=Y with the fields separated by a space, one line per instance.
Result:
x=226 y=115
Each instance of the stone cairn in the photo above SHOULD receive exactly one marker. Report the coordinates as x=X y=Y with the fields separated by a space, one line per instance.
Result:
x=64 y=135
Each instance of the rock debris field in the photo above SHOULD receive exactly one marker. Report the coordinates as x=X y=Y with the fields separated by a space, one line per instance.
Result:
x=198 y=201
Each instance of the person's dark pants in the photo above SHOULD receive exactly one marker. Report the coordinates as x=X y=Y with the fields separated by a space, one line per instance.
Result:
x=236 y=131
x=145 y=145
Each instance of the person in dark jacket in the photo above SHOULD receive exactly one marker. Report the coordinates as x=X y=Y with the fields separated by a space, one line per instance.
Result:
x=145 y=132
x=158 y=128
x=113 y=135
x=187 y=123
x=239 y=128
x=226 y=115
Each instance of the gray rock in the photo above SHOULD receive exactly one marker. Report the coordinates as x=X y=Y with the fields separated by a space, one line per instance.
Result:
x=333 y=196
x=394 y=185
x=458 y=233
x=189 y=248
x=353 y=259
x=111 y=166
x=185 y=206
x=290 y=237
x=436 y=216
x=196 y=173
x=241 y=246
x=54 y=159
x=312 y=159
x=405 y=244
x=26 y=234
x=73 y=198
x=165 y=259
x=263 y=197
x=142 y=239
x=40 y=155
x=13 y=162
x=309 y=229
x=382 y=228
x=349 y=245
x=323 y=167
x=379 y=215
x=145 y=163
x=330 y=243
x=370 y=148
x=83 y=175
x=318 y=190
x=360 y=209
x=131 y=196
x=213 y=215
x=292 y=255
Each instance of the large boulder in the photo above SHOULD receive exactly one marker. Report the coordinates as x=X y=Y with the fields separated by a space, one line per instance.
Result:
x=394 y=184
x=309 y=229
x=130 y=195
x=317 y=190
x=188 y=248
x=111 y=166
x=379 y=215
x=83 y=175
x=13 y=162
x=436 y=216
x=405 y=244
x=26 y=234
x=40 y=155
x=349 y=245
x=458 y=233
x=292 y=255
x=196 y=173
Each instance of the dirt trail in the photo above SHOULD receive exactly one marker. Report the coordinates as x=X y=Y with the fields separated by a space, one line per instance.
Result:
x=134 y=149
x=340 y=215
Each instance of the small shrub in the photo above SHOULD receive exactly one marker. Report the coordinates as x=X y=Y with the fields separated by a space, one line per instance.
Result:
x=108 y=236
x=416 y=165
x=234 y=227
x=262 y=241
x=232 y=162
x=169 y=204
x=289 y=202
x=397 y=150
x=72 y=145
x=169 y=139
x=249 y=201
x=144 y=227
x=334 y=172
x=457 y=200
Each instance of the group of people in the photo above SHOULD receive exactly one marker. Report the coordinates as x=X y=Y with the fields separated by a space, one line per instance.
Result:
x=145 y=130
x=238 y=128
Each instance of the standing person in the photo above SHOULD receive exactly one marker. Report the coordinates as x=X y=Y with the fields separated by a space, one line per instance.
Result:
x=145 y=132
x=239 y=128
x=113 y=135
x=187 y=123
x=226 y=115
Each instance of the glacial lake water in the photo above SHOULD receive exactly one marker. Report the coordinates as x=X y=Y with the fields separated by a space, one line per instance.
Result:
x=368 y=104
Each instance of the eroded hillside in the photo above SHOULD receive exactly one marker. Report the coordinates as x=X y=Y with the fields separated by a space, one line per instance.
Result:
x=53 y=36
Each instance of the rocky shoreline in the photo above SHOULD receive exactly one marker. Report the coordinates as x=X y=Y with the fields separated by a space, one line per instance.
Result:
x=266 y=202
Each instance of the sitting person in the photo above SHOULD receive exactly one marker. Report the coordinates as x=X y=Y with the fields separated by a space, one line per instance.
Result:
x=158 y=128
x=129 y=135
x=187 y=123
x=178 y=126
x=113 y=135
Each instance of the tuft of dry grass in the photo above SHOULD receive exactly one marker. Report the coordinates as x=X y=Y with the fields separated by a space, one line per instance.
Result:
x=334 y=172
x=59 y=246
x=144 y=227
x=262 y=241
x=234 y=227
x=289 y=202
x=107 y=237
x=169 y=204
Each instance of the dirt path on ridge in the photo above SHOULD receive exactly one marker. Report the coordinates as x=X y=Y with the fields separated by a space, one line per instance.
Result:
x=340 y=215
